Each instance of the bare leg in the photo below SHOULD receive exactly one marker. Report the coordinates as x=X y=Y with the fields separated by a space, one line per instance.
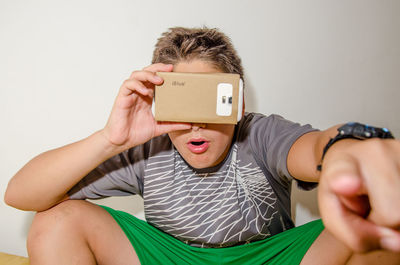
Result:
x=328 y=250
x=375 y=257
x=78 y=232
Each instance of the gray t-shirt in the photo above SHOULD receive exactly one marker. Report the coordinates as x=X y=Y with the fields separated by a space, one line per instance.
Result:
x=245 y=198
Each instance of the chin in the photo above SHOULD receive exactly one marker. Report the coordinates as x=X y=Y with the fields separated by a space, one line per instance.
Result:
x=199 y=163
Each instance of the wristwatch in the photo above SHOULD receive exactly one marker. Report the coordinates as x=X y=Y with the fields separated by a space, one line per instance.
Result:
x=355 y=130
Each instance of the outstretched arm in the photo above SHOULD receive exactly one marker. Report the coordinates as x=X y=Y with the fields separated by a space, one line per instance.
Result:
x=359 y=190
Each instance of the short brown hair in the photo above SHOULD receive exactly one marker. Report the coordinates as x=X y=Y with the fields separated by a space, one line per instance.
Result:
x=186 y=44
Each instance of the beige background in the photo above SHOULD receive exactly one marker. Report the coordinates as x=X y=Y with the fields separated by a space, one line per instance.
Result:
x=62 y=62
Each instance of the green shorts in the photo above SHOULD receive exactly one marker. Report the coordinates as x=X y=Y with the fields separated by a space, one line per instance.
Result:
x=156 y=247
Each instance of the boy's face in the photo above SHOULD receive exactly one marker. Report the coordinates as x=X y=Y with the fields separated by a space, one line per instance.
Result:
x=204 y=145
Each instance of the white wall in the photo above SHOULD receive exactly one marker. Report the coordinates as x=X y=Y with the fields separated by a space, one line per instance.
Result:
x=62 y=62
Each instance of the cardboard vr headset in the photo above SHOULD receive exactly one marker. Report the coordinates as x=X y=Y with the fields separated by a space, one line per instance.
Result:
x=199 y=98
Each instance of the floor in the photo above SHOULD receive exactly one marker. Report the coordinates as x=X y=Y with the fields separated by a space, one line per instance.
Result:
x=7 y=259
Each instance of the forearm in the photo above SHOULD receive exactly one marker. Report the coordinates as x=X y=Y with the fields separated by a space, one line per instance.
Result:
x=46 y=179
x=306 y=154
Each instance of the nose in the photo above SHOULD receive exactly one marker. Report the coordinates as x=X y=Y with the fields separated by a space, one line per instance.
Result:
x=197 y=126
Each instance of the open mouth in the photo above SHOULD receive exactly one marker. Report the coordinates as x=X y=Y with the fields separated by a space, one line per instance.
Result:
x=198 y=146
x=197 y=143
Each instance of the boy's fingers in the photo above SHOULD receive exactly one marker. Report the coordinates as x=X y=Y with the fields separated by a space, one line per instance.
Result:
x=358 y=204
x=390 y=239
x=344 y=207
x=340 y=215
x=153 y=68
x=351 y=192
x=166 y=127
x=343 y=176
x=374 y=171
x=357 y=233
x=132 y=85
x=159 y=67
x=143 y=80
x=382 y=177
x=147 y=76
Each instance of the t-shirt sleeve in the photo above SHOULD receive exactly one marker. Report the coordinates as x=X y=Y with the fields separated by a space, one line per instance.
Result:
x=272 y=137
x=118 y=176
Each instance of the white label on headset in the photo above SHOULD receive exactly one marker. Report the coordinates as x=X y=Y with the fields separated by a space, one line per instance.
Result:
x=224 y=99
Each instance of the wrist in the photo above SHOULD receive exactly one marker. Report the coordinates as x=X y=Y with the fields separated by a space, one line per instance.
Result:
x=355 y=131
x=108 y=148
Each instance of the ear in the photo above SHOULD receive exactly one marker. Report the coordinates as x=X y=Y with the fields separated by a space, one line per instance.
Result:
x=241 y=90
x=243 y=106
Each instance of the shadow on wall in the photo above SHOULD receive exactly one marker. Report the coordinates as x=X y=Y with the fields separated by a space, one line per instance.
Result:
x=250 y=97
x=27 y=223
x=304 y=205
x=130 y=204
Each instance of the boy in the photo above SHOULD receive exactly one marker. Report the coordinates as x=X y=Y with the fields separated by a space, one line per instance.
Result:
x=213 y=193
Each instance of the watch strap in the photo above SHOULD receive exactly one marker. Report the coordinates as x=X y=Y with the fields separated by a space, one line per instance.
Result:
x=355 y=130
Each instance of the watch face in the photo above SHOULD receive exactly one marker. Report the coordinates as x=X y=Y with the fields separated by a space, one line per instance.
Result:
x=362 y=131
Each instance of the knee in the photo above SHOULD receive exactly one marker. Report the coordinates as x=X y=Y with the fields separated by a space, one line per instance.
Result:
x=55 y=223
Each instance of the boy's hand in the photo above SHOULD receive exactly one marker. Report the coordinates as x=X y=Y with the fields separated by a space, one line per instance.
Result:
x=359 y=193
x=131 y=122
